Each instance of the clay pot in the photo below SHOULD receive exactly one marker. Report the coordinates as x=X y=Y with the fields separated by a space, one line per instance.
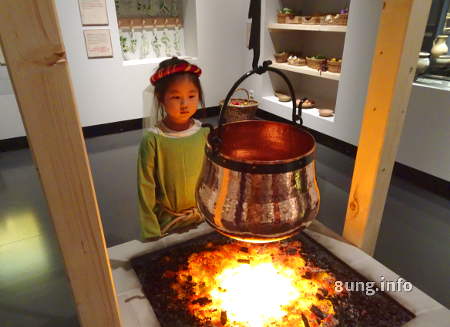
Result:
x=307 y=103
x=439 y=46
x=326 y=112
x=282 y=97
x=283 y=18
x=423 y=62
x=441 y=61
x=281 y=57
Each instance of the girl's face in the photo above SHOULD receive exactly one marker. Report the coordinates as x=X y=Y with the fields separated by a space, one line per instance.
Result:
x=181 y=100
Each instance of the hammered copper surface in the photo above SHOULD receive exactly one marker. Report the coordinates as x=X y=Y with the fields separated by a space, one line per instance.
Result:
x=259 y=140
x=260 y=207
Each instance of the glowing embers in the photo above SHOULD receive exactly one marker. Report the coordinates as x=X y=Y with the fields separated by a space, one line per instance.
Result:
x=182 y=284
x=255 y=285
x=241 y=296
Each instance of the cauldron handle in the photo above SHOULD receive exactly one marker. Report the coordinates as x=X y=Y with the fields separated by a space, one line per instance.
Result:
x=296 y=110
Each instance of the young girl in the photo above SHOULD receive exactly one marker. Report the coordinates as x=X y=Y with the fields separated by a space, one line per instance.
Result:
x=171 y=153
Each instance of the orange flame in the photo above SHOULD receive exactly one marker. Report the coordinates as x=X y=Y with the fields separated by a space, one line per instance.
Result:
x=256 y=285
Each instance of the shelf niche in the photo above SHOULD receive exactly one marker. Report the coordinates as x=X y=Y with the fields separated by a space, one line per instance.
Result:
x=305 y=40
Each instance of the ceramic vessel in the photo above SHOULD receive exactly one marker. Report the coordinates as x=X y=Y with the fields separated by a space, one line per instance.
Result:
x=423 y=62
x=441 y=61
x=439 y=46
x=326 y=112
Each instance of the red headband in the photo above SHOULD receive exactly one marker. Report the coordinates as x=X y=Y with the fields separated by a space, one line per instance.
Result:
x=180 y=68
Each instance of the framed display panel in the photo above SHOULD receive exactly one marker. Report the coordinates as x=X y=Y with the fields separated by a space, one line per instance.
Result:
x=61 y=157
x=93 y=12
x=98 y=43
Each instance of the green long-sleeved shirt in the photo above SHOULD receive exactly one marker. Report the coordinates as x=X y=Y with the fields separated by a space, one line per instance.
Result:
x=168 y=171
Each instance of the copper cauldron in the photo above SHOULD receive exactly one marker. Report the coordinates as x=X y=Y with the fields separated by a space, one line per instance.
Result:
x=258 y=182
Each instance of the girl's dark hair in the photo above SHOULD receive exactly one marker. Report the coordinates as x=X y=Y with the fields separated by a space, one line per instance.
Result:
x=163 y=84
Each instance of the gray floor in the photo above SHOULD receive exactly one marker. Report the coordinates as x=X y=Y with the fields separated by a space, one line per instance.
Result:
x=34 y=290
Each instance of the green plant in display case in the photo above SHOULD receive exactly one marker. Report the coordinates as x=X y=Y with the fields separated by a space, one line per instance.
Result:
x=145 y=45
x=156 y=45
x=145 y=8
x=286 y=11
x=164 y=9
x=133 y=43
x=283 y=14
x=123 y=44
x=177 y=41
x=166 y=41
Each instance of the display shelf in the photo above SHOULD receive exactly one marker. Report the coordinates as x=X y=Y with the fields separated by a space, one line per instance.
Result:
x=306 y=71
x=305 y=27
x=284 y=109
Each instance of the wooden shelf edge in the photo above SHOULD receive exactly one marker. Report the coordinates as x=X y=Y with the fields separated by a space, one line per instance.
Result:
x=306 y=71
x=305 y=27
x=288 y=107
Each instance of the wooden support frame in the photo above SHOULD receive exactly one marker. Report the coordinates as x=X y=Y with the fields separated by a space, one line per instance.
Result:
x=34 y=51
x=399 y=39
x=35 y=55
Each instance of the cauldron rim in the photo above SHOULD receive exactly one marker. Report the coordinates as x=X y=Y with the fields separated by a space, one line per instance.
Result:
x=307 y=154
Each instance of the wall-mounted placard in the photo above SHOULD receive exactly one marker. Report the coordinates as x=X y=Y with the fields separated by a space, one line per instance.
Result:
x=93 y=12
x=98 y=43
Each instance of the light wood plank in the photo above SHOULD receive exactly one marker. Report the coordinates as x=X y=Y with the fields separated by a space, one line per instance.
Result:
x=305 y=70
x=35 y=55
x=400 y=34
x=318 y=227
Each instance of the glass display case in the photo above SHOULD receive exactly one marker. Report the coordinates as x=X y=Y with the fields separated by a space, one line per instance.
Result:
x=434 y=60
x=150 y=28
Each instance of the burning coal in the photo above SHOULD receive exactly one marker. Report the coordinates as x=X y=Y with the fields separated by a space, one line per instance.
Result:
x=213 y=281
x=255 y=285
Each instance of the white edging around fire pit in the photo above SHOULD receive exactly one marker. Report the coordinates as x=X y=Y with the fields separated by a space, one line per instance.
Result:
x=136 y=311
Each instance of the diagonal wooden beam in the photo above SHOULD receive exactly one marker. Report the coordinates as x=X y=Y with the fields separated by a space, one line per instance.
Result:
x=400 y=34
x=35 y=55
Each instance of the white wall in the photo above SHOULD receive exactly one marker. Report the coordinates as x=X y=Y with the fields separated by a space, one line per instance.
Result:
x=10 y=121
x=425 y=140
x=107 y=91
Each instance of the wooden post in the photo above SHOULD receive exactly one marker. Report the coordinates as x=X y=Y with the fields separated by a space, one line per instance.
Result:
x=35 y=55
x=402 y=25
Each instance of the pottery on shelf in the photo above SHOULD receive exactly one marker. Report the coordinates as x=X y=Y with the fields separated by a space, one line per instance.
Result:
x=439 y=46
x=282 y=97
x=307 y=103
x=281 y=57
x=423 y=62
x=441 y=61
x=326 y=112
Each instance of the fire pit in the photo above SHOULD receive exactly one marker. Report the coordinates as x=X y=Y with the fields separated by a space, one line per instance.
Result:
x=215 y=281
